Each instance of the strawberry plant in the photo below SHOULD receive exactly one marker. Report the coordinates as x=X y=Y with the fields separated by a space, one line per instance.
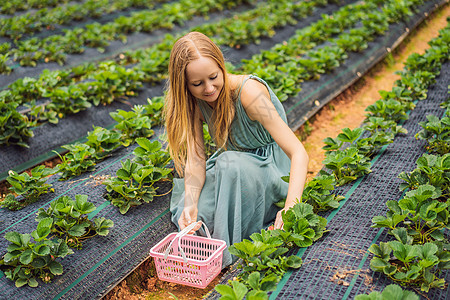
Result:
x=132 y=124
x=78 y=160
x=38 y=114
x=134 y=184
x=150 y=153
x=4 y=48
x=417 y=82
x=154 y=110
x=376 y=124
x=14 y=127
x=70 y=221
x=103 y=141
x=420 y=213
x=346 y=136
x=417 y=265
x=351 y=42
x=263 y=261
x=27 y=187
x=372 y=144
x=432 y=170
x=67 y=100
x=25 y=261
x=238 y=291
x=346 y=165
x=302 y=226
x=4 y=68
x=437 y=133
x=111 y=83
x=390 y=110
x=62 y=225
x=391 y=292
x=317 y=193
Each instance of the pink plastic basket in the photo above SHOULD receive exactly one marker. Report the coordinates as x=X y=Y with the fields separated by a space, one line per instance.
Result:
x=188 y=259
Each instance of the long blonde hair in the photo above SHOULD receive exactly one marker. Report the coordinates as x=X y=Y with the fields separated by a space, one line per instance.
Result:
x=180 y=105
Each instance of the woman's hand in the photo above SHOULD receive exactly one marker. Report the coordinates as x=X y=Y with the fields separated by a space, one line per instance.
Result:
x=279 y=220
x=188 y=216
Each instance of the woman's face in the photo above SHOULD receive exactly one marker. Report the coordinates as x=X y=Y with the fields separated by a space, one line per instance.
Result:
x=204 y=79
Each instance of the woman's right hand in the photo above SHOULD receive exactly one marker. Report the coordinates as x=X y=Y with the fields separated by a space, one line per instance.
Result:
x=188 y=216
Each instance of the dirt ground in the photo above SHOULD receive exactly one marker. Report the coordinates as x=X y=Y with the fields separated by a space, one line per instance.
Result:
x=347 y=110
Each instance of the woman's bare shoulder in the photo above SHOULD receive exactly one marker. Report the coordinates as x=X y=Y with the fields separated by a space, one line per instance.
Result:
x=252 y=91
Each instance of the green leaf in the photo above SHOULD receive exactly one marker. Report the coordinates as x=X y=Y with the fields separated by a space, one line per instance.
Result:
x=437 y=235
x=102 y=225
x=383 y=250
x=26 y=257
x=61 y=249
x=39 y=262
x=394 y=292
x=21 y=282
x=401 y=234
x=14 y=237
x=239 y=289
x=294 y=262
x=41 y=249
x=377 y=264
x=32 y=282
x=228 y=292
x=257 y=295
x=428 y=251
x=253 y=280
x=78 y=230
x=82 y=205
x=55 y=267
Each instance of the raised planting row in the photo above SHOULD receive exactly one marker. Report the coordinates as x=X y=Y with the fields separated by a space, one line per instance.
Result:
x=62 y=226
x=299 y=59
x=347 y=159
x=103 y=261
x=46 y=20
x=82 y=157
x=13 y=6
x=55 y=48
x=153 y=66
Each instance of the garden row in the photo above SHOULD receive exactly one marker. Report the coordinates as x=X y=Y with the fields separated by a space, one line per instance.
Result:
x=64 y=96
x=55 y=48
x=30 y=23
x=13 y=6
x=101 y=142
x=416 y=221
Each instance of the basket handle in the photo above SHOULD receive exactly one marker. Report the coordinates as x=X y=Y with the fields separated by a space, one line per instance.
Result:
x=182 y=233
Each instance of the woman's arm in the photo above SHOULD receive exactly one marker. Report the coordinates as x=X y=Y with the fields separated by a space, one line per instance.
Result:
x=257 y=103
x=194 y=174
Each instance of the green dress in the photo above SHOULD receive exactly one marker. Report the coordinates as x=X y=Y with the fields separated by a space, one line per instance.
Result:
x=243 y=183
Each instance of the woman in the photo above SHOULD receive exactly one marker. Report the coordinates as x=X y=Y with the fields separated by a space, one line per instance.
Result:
x=234 y=191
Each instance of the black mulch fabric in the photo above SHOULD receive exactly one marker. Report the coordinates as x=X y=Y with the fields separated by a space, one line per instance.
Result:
x=103 y=261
